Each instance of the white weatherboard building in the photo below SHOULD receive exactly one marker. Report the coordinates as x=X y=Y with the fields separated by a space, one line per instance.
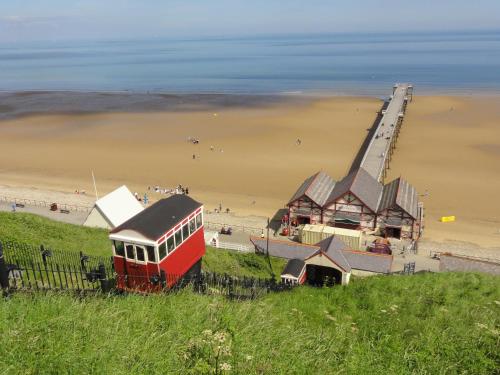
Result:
x=113 y=209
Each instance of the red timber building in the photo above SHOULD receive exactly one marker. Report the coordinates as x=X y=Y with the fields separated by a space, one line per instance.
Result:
x=160 y=245
x=358 y=202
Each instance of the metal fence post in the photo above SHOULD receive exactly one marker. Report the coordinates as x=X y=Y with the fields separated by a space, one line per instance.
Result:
x=163 y=279
x=4 y=276
x=101 y=270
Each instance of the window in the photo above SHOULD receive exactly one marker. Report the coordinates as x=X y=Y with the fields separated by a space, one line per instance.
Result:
x=178 y=238
x=130 y=251
x=141 y=256
x=119 y=248
x=192 y=225
x=198 y=220
x=170 y=244
x=151 y=253
x=163 y=250
x=185 y=231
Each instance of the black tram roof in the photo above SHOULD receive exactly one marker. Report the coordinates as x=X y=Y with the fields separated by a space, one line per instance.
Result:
x=162 y=216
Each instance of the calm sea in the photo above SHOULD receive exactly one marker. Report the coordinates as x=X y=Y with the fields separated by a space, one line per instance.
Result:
x=342 y=64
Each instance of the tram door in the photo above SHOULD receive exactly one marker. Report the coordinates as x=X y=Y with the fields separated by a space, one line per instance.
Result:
x=136 y=266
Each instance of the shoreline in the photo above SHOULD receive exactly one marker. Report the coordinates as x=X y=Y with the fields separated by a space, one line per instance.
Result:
x=25 y=103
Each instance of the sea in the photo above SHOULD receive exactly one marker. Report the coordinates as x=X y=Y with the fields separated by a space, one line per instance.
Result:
x=344 y=64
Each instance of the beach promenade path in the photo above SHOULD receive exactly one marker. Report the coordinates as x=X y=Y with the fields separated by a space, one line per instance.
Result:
x=377 y=154
x=73 y=217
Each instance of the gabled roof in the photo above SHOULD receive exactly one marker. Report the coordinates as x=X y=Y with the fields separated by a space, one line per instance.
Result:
x=294 y=267
x=399 y=192
x=360 y=183
x=334 y=248
x=162 y=216
x=118 y=206
x=366 y=261
x=317 y=188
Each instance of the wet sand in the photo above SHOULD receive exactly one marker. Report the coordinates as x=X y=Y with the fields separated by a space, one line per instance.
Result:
x=448 y=146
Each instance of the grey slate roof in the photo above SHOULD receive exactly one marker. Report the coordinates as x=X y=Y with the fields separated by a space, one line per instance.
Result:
x=399 y=192
x=317 y=188
x=360 y=183
x=283 y=249
x=294 y=267
x=365 y=261
x=407 y=198
x=334 y=248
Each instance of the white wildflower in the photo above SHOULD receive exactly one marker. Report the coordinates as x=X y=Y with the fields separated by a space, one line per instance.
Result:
x=225 y=366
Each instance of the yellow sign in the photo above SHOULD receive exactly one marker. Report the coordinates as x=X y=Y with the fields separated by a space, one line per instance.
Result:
x=447 y=219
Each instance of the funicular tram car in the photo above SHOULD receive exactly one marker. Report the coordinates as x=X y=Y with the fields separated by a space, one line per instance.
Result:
x=157 y=247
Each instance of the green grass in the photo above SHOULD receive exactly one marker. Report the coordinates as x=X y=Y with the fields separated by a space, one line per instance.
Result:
x=36 y=230
x=422 y=324
x=241 y=264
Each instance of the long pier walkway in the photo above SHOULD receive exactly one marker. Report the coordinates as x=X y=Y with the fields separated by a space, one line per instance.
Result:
x=381 y=141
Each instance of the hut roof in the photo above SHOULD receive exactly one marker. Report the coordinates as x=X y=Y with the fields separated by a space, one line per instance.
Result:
x=360 y=183
x=399 y=192
x=157 y=219
x=334 y=248
x=294 y=267
x=366 y=261
x=317 y=188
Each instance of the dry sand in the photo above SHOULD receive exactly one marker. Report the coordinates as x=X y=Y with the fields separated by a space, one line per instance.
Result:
x=450 y=146
x=256 y=165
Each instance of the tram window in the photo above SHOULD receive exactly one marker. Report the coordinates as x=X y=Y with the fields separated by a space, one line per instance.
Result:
x=119 y=248
x=178 y=238
x=185 y=231
x=151 y=253
x=163 y=250
x=139 y=251
x=198 y=220
x=170 y=244
x=192 y=225
x=130 y=251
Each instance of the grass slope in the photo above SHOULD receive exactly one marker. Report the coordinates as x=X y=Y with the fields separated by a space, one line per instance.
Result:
x=37 y=230
x=425 y=324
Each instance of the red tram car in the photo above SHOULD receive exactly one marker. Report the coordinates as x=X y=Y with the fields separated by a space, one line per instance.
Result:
x=160 y=245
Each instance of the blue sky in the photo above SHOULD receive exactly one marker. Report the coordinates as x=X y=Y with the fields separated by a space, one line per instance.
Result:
x=27 y=20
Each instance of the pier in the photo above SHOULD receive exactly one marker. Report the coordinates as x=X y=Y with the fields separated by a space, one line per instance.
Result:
x=376 y=153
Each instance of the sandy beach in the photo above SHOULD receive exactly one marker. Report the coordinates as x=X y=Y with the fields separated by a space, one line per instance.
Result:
x=248 y=159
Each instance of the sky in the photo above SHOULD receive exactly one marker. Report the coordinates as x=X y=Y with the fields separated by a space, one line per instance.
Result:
x=52 y=20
